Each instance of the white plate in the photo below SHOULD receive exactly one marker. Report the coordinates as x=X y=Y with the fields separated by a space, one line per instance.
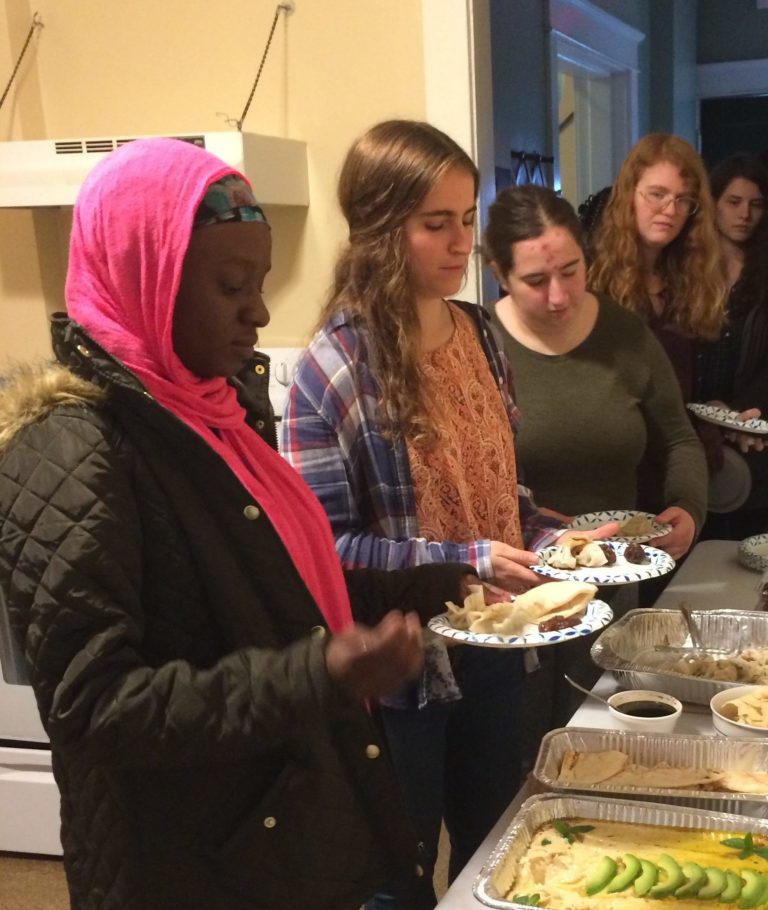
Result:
x=591 y=520
x=620 y=573
x=596 y=616
x=725 y=418
x=753 y=552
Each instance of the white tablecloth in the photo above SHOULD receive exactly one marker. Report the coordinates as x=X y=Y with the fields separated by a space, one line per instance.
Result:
x=710 y=578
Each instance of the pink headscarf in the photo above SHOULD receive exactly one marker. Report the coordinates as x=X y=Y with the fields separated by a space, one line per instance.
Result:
x=130 y=231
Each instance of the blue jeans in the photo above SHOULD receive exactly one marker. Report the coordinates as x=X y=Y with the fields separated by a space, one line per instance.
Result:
x=459 y=762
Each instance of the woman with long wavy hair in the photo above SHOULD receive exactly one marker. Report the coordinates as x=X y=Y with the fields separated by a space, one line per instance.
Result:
x=732 y=370
x=656 y=250
x=400 y=419
x=656 y=253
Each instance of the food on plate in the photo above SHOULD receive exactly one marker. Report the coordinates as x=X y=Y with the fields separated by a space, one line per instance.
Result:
x=592 y=556
x=748 y=666
x=577 y=551
x=558 y=623
x=610 y=554
x=613 y=768
x=636 y=526
x=635 y=554
x=751 y=709
x=581 y=864
x=554 y=599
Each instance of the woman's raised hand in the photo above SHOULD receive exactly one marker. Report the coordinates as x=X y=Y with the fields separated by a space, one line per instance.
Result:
x=373 y=661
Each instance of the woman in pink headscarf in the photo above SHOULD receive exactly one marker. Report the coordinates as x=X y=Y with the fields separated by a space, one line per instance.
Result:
x=188 y=629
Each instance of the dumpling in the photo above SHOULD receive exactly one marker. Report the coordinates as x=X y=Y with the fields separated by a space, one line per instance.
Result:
x=592 y=556
x=562 y=558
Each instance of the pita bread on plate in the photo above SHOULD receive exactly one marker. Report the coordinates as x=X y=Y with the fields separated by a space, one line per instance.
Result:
x=591 y=767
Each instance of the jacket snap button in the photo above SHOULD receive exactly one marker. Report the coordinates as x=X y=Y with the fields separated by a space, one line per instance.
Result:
x=372 y=751
x=259 y=424
x=251 y=512
x=318 y=632
x=83 y=350
x=259 y=369
x=270 y=821
x=419 y=871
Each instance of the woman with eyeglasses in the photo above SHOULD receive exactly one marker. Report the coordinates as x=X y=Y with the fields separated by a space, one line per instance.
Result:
x=656 y=253
x=732 y=371
x=656 y=250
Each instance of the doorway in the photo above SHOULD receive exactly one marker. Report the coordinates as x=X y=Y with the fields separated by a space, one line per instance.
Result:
x=594 y=66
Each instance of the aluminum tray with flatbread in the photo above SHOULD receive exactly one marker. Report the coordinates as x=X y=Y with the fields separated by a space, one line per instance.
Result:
x=640 y=632
x=724 y=775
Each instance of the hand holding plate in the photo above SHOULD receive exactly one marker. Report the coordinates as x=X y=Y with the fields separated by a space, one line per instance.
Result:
x=678 y=541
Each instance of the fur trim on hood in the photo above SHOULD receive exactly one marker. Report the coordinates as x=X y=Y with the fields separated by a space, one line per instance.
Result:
x=31 y=391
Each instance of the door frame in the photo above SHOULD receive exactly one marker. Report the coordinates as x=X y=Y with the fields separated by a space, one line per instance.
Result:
x=588 y=42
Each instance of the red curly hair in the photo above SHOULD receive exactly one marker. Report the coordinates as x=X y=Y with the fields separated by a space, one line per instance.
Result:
x=690 y=266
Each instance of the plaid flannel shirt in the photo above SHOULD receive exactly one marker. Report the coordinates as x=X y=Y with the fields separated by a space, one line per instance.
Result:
x=330 y=433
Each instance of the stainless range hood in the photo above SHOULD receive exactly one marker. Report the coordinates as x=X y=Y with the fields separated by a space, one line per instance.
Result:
x=48 y=172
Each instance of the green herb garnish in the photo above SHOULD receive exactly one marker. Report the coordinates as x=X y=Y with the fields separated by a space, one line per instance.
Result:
x=745 y=845
x=570 y=832
x=530 y=900
x=545 y=842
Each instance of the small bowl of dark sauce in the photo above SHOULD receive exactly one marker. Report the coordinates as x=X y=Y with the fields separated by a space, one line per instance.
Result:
x=643 y=709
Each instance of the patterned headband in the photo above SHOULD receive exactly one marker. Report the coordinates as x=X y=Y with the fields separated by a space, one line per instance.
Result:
x=228 y=199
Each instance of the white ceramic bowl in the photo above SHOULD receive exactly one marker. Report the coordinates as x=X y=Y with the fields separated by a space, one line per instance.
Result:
x=729 y=727
x=665 y=724
x=753 y=552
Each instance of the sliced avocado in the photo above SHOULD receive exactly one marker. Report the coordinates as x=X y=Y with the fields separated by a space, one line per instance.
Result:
x=733 y=887
x=715 y=884
x=672 y=877
x=753 y=890
x=602 y=873
x=627 y=875
x=648 y=877
x=695 y=877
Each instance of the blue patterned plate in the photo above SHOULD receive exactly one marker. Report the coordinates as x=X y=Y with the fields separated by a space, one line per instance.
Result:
x=591 y=520
x=722 y=417
x=596 y=616
x=753 y=552
x=620 y=573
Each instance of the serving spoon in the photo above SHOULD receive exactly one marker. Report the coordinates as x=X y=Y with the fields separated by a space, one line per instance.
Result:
x=588 y=692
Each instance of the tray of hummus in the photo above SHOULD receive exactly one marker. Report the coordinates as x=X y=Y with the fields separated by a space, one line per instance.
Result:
x=652 y=649
x=579 y=853
x=724 y=775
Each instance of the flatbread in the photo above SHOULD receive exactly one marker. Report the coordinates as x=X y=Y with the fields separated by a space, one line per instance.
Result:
x=556 y=598
x=744 y=781
x=663 y=776
x=591 y=767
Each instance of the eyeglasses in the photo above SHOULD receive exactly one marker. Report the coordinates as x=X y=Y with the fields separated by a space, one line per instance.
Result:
x=658 y=200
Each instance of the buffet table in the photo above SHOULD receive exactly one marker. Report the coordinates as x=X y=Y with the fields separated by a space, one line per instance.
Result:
x=710 y=578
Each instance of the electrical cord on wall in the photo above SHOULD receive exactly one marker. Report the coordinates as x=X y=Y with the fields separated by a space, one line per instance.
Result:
x=37 y=22
x=287 y=7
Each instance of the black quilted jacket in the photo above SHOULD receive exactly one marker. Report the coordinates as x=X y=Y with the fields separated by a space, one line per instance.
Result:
x=204 y=758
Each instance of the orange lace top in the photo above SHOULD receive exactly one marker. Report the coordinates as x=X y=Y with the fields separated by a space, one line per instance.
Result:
x=466 y=487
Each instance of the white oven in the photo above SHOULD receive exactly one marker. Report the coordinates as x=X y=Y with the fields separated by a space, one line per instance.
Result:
x=29 y=798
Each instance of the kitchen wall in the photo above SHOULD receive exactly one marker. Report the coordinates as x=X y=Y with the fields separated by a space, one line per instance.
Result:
x=736 y=30
x=102 y=68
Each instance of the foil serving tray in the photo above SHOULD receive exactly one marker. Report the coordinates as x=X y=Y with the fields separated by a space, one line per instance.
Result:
x=676 y=749
x=617 y=647
x=499 y=872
